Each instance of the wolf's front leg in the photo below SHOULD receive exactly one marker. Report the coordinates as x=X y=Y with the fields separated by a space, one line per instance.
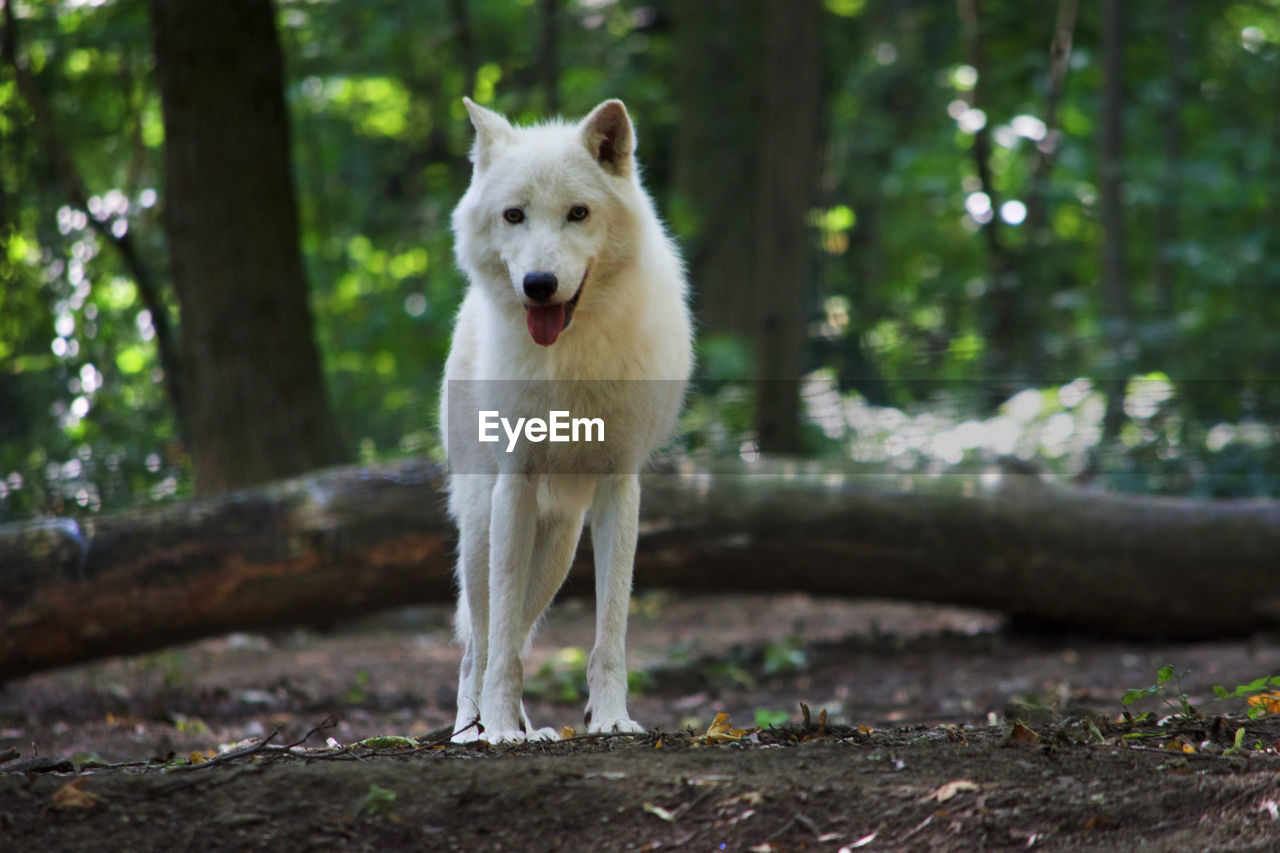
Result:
x=465 y=725
x=472 y=498
x=614 y=526
x=512 y=525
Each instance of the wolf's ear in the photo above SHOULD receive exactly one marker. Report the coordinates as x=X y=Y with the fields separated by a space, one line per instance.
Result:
x=608 y=136
x=491 y=129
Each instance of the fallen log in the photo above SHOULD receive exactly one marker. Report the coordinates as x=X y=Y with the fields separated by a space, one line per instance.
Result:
x=347 y=541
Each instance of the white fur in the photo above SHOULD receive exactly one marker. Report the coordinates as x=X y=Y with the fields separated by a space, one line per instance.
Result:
x=518 y=524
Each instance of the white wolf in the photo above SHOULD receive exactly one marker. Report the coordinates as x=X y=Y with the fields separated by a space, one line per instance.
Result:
x=578 y=295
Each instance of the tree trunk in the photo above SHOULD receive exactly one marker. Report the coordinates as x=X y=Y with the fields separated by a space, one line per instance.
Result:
x=1166 y=214
x=787 y=173
x=342 y=542
x=716 y=85
x=1115 y=293
x=255 y=395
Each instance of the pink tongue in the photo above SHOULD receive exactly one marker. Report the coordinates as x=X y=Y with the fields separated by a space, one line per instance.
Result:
x=545 y=322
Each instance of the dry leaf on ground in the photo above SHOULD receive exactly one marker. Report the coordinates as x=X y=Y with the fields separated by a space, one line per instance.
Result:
x=74 y=796
x=720 y=732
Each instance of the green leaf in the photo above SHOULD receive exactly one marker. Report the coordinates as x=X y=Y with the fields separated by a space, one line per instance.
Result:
x=388 y=742
x=1256 y=686
x=1163 y=674
x=1239 y=742
x=378 y=800
x=766 y=719
x=1132 y=696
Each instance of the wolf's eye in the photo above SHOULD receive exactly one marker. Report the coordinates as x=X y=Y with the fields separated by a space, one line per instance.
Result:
x=514 y=215
x=577 y=213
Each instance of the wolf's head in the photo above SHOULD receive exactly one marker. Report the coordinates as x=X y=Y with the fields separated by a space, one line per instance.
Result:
x=548 y=215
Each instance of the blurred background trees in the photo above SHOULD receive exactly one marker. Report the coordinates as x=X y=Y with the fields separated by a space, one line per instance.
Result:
x=255 y=407
x=939 y=232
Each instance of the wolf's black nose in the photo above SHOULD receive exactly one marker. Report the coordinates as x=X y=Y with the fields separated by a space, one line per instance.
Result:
x=539 y=286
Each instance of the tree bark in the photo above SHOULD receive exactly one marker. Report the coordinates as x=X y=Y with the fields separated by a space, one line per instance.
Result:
x=349 y=540
x=1115 y=293
x=717 y=45
x=787 y=174
x=256 y=401
x=1116 y=307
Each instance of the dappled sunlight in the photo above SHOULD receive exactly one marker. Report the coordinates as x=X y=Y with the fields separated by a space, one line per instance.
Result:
x=1058 y=427
x=1013 y=212
x=88 y=303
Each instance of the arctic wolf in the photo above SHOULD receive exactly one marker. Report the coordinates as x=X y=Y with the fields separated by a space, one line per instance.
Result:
x=576 y=300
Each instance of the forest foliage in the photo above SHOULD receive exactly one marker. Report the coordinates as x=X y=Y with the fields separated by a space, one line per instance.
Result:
x=954 y=299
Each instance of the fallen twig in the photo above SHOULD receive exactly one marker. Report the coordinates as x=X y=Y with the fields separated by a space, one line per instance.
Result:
x=445 y=737
x=287 y=749
x=604 y=736
x=225 y=757
x=39 y=764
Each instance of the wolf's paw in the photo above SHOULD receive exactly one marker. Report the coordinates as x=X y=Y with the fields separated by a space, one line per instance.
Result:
x=503 y=736
x=466 y=731
x=519 y=735
x=618 y=726
x=542 y=734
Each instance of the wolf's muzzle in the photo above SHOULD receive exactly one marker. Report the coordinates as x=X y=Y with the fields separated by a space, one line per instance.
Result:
x=539 y=286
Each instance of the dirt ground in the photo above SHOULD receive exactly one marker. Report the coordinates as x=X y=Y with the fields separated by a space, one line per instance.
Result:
x=943 y=730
